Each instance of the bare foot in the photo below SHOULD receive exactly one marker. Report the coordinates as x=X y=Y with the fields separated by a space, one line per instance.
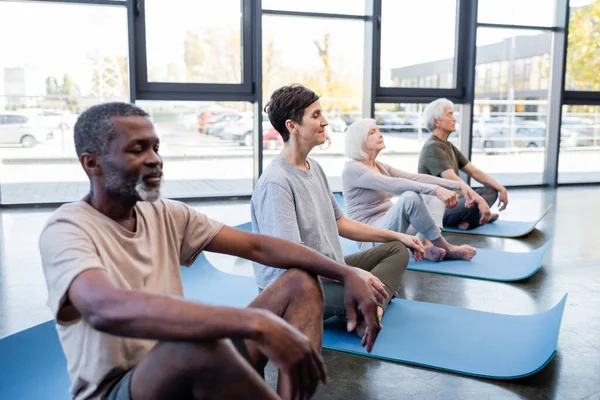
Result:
x=493 y=218
x=361 y=327
x=434 y=253
x=464 y=252
x=463 y=225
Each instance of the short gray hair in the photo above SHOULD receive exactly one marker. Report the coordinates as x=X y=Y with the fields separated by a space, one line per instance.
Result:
x=435 y=111
x=94 y=128
x=355 y=138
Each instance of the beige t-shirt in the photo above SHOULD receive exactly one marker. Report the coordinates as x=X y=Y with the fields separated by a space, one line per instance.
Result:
x=78 y=237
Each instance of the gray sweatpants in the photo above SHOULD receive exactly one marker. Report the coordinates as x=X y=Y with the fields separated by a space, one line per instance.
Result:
x=412 y=214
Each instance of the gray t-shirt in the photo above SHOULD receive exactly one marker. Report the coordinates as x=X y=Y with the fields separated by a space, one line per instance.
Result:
x=295 y=205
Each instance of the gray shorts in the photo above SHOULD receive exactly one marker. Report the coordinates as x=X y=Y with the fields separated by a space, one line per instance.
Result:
x=120 y=389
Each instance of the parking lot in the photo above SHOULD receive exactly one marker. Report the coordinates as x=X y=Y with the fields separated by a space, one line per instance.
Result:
x=197 y=164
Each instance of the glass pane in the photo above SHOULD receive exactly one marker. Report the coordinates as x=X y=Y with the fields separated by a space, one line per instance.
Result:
x=77 y=59
x=511 y=99
x=328 y=59
x=424 y=63
x=194 y=41
x=350 y=7
x=579 y=145
x=404 y=132
x=516 y=12
x=206 y=147
x=583 y=51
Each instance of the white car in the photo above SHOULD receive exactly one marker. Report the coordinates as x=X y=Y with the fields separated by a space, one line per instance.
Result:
x=53 y=119
x=16 y=128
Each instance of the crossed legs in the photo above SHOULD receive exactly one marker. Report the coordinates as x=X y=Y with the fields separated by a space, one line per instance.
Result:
x=215 y=369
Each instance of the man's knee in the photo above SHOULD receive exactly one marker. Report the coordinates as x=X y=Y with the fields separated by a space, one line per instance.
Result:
x=489 y=194
x=301 y=284
x=203 y=357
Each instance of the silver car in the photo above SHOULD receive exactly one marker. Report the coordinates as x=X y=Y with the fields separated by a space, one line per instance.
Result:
x=17 y=128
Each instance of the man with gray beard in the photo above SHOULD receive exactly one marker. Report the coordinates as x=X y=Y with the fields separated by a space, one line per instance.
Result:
x=112 y=267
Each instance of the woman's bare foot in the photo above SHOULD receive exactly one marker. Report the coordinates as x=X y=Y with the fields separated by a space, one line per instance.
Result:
x=463 y=225
x=361 y=327
x=434 y=253
x=464 y=252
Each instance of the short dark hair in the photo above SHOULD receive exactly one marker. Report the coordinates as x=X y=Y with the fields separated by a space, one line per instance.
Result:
x=289 y=102
x=94 y=128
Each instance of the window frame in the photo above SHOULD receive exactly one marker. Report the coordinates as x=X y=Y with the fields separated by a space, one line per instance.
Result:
x=183 y=91
x=462 y=59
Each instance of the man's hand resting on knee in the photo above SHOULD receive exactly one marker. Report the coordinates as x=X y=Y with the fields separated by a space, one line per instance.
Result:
x=484 y=209
x=356 y=298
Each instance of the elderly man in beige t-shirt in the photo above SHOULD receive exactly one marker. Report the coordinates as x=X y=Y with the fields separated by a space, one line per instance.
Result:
x=112 y=262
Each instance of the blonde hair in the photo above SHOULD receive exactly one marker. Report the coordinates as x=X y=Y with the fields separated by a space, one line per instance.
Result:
x=355 y=138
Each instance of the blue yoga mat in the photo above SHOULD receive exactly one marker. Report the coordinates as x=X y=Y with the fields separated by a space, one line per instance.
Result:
x=492 y=265
x=431 y=335
x=32 y=365
x=499 y=228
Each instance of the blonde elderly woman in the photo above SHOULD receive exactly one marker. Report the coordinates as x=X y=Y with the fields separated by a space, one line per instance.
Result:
x=369 y=186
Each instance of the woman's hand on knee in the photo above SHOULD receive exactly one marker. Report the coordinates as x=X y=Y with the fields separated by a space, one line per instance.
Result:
x=449 y=197
x=413 y=244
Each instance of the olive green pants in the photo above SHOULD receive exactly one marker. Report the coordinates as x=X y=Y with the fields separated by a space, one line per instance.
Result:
x=388 y=261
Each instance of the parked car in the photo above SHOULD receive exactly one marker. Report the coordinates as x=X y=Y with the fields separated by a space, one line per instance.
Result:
x=272 y=139
x=16 y=128
x=219 y=124
x=337 y=124
x=207 y=117
x=49 y=118
x=350 y=117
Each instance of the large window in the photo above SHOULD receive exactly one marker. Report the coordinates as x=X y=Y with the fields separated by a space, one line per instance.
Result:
x=579 y=145
x=327 y=58
x=54 y=64
x=192 y=41
x=511 y=99
x=583 y=52
x=405 y=132
x=516 y=12
x=206 y=147
x=418 y=42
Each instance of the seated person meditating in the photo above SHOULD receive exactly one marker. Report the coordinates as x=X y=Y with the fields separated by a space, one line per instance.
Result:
x=369 y=186
x=112 y=267
x=441 y=158
x=292 y=201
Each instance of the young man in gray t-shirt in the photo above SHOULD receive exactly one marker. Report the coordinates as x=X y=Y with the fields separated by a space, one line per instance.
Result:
x=292 y=201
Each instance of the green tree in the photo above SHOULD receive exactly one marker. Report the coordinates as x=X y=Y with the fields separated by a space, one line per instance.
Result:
x=69 y=87
x=583 y=55
x=51 y=85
